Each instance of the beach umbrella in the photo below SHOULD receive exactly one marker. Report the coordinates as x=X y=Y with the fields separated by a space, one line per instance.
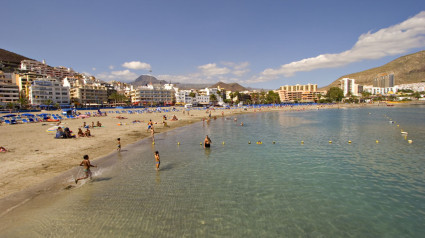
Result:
x=83 y=116
x=119 y=108
x=27 y=115
x=52 y=129
x=10 y=115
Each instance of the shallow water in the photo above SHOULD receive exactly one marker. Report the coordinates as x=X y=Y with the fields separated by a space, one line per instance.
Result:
x=236 y=189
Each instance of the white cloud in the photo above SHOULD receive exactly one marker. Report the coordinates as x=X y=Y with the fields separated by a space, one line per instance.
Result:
x=122 y=75
x=212 y=70
x=94 y=69
x=136 y=65
x=396 y=39
x=211 y=73
x=111 y=67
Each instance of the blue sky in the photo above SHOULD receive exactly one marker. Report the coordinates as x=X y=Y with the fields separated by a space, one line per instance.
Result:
x=262 y=44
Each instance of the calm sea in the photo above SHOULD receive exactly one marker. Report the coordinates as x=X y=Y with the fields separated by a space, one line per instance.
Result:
x=280 y=188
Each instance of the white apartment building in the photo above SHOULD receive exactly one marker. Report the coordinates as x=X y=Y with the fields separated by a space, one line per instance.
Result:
x=9 y=92
x=349 y=86
x=42 y=90
x=152 y=95
x=378 y=90
x=183 y=98
x=416 y=87
x=208 y=92
x=44 y=69
x=202 y=99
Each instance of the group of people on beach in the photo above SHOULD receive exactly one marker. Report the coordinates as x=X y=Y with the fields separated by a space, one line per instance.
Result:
x=64 y=133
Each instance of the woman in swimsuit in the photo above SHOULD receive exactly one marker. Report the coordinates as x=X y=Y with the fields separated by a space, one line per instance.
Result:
x=207 y=142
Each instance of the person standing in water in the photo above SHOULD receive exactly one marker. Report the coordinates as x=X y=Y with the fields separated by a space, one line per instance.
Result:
x=153 y=134
x=157 y=161
x=207 y=142
x=86 y=163
x=119 y=144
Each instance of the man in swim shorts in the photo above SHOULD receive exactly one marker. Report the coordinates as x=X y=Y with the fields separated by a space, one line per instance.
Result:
x=87 y=165
x=150 y=124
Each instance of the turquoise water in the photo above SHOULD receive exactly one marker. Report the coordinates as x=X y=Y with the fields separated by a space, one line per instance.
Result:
x=237 y=189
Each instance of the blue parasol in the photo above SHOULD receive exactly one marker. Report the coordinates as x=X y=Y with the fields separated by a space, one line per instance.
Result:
x=10 y=115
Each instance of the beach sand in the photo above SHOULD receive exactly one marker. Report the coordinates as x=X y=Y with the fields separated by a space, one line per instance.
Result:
x=35 y=156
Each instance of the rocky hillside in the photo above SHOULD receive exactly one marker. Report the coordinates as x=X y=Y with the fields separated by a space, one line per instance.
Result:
x=406 y=69
x=9 y=60
x=229 y=86
x=146 y=79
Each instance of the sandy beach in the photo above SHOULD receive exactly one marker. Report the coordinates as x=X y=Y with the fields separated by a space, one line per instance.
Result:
x=35 y=156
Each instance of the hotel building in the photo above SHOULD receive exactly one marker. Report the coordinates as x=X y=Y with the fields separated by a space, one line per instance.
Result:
x=155 y=95
x=302 y=93
x=92 y=94
x=9 y=92
x=384 y=80
x=42 y=90
x=349 y=86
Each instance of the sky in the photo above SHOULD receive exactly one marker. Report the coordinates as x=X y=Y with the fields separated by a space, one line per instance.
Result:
x=260 y=44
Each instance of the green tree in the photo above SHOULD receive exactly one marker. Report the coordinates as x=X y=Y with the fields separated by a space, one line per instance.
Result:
x=366 y=94
x=416 y=95
x=117 y=97
x=192 y=94
x=23 y=101
x=10 y=105
x=48 y=102
x=272 y=97
x=335 y=94
x=262 y=97
x=213 y=99
x=255 y=98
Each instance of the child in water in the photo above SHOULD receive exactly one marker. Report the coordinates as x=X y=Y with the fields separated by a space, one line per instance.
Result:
x=119 y=144
x=87 y=165
x=157 y=161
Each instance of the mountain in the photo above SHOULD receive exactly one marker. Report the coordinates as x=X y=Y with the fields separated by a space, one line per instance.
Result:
x=406 y=69
x=146 y=79
x=188 y=86
x=229 y=86
x=9 y=60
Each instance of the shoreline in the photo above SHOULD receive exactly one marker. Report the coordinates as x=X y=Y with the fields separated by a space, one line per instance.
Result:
x=25 y=175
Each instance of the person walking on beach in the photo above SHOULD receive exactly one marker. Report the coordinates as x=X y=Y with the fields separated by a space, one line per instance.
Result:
x=86 y=163
x=157 y=161
x=119 y=144
x=207 y=142
x=150 y=124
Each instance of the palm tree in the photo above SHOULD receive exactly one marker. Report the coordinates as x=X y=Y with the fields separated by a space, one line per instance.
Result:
x=10 y=105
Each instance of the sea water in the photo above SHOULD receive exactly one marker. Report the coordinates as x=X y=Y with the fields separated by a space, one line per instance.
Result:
x=304 y=180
